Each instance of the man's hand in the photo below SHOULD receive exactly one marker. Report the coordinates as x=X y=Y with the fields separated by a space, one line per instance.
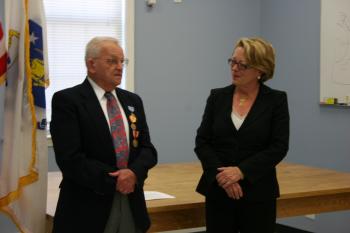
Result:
x=126 y=180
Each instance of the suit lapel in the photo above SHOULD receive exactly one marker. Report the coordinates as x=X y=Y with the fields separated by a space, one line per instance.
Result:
x=93 y=107
x=227 y=106
x=260 y=105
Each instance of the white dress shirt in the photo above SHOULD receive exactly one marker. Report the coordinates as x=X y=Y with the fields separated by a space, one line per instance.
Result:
x=100 y=93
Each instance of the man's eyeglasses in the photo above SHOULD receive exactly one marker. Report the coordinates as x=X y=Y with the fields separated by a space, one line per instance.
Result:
x=113 y=61
x=240 y=66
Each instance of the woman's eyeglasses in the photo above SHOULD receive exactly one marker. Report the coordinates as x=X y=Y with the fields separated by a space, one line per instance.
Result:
x=240 y=66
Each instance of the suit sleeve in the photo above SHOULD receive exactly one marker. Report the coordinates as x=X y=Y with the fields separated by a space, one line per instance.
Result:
x=146 y=156
x=76 y=167
x=203 y=148
x=263 y=162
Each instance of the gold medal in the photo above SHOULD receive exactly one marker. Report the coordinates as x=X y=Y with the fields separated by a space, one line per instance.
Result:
x=135 y=143
x=133 y=126
x=133 y=118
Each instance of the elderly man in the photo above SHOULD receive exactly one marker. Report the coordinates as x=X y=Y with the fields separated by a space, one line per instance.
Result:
x=103 y=148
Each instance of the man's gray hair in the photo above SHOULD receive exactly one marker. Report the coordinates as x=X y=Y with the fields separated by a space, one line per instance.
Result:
x=93 y=47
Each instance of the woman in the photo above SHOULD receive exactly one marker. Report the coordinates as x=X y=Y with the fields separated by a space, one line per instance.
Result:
x=243 y=135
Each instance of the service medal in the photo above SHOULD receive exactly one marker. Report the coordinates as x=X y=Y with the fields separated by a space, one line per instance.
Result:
x=135 y=143
x=133 y=126
x=135 y=134
x=133 y=118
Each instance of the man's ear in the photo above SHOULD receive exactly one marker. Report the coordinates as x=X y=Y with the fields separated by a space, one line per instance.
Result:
x=91 y=65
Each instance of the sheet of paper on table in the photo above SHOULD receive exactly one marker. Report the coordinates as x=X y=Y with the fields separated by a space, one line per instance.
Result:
x=155 y=195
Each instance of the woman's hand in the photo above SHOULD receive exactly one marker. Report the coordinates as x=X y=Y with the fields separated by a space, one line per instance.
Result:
x=234 y=191
x=228 y=176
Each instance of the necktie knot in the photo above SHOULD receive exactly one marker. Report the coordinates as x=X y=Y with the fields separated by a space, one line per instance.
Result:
x=109 y=95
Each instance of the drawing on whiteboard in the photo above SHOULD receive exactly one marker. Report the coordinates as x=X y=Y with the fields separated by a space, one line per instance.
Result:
x=341 y=65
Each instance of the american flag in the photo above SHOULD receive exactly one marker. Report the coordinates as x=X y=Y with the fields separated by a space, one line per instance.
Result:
x=23 y=156
x=3 y=56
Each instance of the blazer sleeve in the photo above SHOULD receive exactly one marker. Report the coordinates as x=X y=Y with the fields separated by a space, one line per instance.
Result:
x=264 y=161
x=203 y=146
x=71 y=158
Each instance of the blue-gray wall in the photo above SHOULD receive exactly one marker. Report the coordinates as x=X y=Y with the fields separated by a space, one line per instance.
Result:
x=180 y=54
x=319 y=135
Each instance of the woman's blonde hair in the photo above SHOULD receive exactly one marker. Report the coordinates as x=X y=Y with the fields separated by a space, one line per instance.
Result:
x=259 y=55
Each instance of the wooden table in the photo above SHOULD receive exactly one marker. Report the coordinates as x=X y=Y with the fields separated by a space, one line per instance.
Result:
x=304 y=190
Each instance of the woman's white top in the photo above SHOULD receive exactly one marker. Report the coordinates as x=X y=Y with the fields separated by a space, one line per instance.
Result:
x=237 y=119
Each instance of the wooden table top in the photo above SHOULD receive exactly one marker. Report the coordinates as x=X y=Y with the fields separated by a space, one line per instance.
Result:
x=303 y=181
x=180 y=180
x=295 y=181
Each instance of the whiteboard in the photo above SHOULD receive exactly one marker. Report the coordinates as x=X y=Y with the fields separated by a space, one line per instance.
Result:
x=335 y=51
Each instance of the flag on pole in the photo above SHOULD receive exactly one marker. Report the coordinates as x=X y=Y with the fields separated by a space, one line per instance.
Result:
x=3 y=56
x=23 y=159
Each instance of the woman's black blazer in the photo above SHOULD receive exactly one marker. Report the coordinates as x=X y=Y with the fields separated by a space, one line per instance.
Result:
x=256 y=147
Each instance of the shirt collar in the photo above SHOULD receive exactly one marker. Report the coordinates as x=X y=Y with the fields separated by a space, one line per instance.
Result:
x=98 y=90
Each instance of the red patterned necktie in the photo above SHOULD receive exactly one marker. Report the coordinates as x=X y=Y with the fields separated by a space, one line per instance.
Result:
x=117 y=130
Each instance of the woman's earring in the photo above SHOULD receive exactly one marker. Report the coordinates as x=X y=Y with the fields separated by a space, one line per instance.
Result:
x=258 y=77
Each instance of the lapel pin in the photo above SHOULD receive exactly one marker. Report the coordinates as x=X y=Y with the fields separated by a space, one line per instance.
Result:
x=131 y=108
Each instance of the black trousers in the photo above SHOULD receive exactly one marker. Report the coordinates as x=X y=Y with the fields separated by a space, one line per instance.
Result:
x=226 y=215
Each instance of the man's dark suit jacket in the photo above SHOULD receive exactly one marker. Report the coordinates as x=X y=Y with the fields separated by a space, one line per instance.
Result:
x=85 y=154
x=256 y=148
